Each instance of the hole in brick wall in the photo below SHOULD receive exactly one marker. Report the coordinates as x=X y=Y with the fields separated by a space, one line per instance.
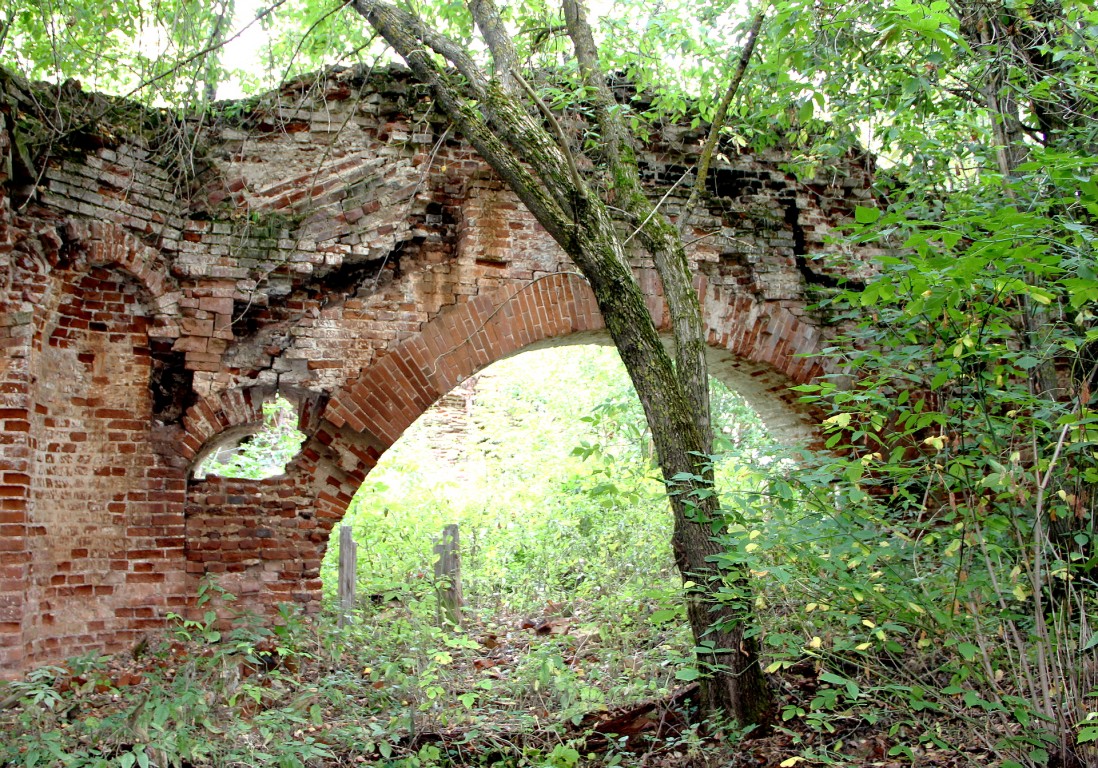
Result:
x=255 y=451
x=349 y=277
x=729 y=182
x=170 y=383
x=248 y=317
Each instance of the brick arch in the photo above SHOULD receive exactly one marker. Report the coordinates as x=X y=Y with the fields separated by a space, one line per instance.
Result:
x=106 y=244
x=265 y=539
x=400 y=386
x=765 y=349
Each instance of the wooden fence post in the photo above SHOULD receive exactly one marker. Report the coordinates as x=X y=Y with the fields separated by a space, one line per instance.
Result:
x=448 y=574
x=348 y=572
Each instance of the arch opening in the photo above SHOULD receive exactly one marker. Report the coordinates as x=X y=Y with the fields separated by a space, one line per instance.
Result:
x=565 y=531
x=482 y=448
x=257 y=450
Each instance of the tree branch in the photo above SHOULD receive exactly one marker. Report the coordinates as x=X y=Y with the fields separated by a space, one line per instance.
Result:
x=617 y=141
x=400 y=30
x=562 y=139
x=486 y=15
x=660 y=239
x=718 y=121
x=439 y=43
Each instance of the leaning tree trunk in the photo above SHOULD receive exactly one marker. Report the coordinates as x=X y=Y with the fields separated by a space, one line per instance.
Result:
x=538 y=166
x=736 y=685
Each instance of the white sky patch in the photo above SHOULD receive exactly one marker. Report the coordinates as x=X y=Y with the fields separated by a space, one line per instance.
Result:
x=245 y=48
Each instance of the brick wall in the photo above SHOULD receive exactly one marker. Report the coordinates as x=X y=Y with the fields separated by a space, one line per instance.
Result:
x=15 y=451
x=333 y=242
x=105 y=532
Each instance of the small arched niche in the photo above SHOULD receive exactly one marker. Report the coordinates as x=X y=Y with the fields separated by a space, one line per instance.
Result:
x=257 y=450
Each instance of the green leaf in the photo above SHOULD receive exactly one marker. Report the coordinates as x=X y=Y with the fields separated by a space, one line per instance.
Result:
x=1039 y=756
x=968 y=651
x=665 y=615
x=864 y=215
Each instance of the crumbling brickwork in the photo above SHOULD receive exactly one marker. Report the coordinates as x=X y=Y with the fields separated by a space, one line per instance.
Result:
x=336 y=243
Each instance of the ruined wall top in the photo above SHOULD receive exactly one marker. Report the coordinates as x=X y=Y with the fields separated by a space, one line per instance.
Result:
x=288 y=239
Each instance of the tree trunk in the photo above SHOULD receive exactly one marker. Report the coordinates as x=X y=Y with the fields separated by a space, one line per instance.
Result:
x=541 y=171
x=737 y=686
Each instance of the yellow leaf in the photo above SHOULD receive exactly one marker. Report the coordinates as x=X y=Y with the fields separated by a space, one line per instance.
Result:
x=862 y=646
x=815 y=642
x=810 y=608
x=934 y=442
x=790 y=762
x=868 y=623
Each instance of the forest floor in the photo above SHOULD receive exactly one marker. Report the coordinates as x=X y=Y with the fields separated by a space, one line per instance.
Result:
x=525 y=691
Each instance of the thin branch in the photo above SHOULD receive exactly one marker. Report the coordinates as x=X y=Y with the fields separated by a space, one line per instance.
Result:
x=415 y=191
x=660 y=239
x=309 y=31
x=655 y=209
x=193 y=57
x=538 y=189
x=719 y=120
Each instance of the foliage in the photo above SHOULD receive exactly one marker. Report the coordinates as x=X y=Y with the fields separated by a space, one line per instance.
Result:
x=203 y=696
x=573 y=612
x=953 y=528
x=966 y=487
x=938 y=559
x=122 y=47
x=266 y=452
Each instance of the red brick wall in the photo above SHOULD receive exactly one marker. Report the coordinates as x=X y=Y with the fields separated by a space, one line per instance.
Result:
x=105 y=533
x=336 y=244
x=14 y=436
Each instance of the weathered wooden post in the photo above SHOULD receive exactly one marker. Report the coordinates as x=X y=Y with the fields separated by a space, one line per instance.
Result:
x=348 y=573
x=448 y=574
